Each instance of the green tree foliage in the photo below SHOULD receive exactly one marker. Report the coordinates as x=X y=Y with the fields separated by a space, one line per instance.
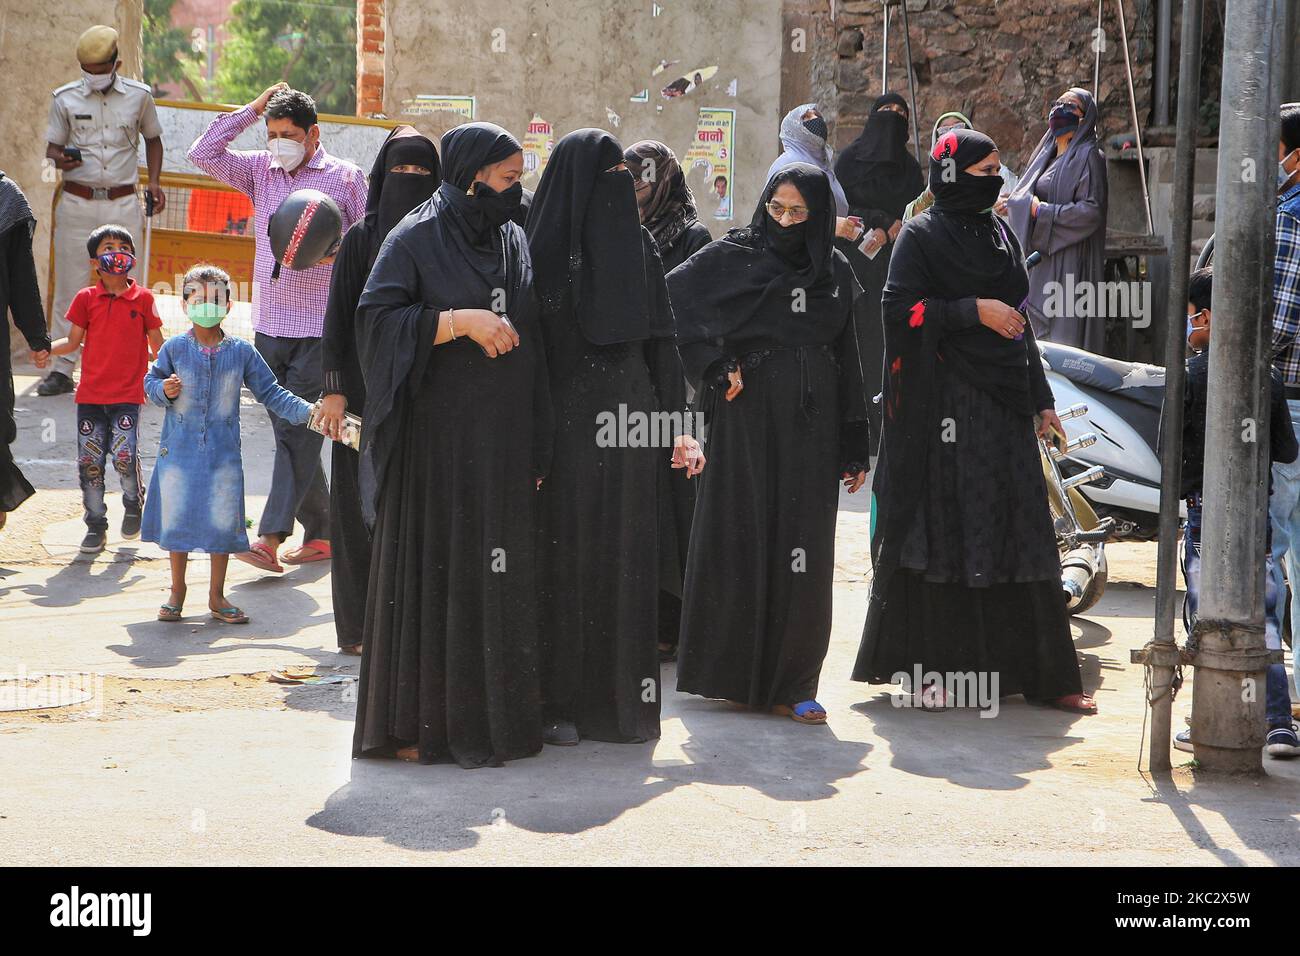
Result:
x=169 y=56
x=309 y=44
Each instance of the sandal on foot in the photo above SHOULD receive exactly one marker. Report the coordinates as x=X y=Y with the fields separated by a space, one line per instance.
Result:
x=260 y=556
x=313 y=550
x=805 y=712
x=171 y=613
x=230 y=615
x=352 y=650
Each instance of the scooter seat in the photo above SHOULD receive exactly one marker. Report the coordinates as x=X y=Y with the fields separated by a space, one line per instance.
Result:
x=1138 y=382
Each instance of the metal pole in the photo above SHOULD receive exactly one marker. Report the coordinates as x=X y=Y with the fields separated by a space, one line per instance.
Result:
x=1097 y=43
x=1164 y=42
x=884 y=52
x=1163 y=656
x=1228 y=639
x=911 y=84
x=1133 y=112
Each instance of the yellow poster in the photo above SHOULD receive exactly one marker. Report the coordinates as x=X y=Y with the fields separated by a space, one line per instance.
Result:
x=538 y=142
x=712 y=151
x=432 y=103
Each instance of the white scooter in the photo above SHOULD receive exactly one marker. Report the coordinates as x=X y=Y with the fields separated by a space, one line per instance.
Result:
x=1123 y=402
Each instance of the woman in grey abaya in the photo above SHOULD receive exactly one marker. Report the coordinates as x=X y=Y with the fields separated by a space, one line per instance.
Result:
x=1059 y=209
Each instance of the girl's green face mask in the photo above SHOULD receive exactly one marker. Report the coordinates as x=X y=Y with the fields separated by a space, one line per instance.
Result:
x=206 y=314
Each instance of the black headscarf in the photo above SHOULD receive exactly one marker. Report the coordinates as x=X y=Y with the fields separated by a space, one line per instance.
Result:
x=877 y=170
x=943 y=258
x=474 y=145
x=667 y=205
x=584 y=233
x=739 y=282
x=437 y=258
x=392 y=195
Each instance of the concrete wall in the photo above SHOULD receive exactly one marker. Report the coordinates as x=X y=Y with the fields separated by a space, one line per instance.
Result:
x=38 y=42
x=571 y=60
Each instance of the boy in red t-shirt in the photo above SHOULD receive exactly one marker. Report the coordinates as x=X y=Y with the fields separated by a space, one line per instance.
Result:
x=119 y=324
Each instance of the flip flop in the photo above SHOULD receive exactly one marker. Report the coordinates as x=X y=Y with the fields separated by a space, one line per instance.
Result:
x=260 y=556
x=230 y=615
x=804 y=712
x=321 y=552
x=1075 y=704
x=352 y=650
x=170 y=613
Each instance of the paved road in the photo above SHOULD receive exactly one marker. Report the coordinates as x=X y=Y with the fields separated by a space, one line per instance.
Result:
x=183 y=760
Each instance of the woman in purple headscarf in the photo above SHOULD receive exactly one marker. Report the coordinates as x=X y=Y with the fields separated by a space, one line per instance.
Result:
x=1059 y=209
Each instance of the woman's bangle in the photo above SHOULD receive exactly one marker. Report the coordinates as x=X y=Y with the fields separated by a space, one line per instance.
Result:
x=452 y=322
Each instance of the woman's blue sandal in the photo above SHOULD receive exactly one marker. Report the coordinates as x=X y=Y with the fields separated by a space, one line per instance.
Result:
x=230 y=615
x=805 y=712
x=169 y=613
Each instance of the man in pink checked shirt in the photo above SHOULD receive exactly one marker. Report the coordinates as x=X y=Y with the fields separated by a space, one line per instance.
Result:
x=289 y=312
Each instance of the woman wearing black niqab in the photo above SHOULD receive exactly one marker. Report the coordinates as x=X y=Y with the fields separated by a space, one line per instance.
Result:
x=603 y=298
x=667 y=210
x=765 y=328
x=455 y=439
x=405 y=174
x=966 y=573
x=880 y=177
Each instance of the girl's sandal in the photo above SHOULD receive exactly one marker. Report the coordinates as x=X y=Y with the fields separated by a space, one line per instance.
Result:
x=170 y=613
x=230 y=615
x=804 y=712
x=409 y=754
x=352 y=650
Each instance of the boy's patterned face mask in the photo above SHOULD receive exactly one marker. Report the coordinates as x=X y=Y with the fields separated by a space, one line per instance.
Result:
x=116 y=263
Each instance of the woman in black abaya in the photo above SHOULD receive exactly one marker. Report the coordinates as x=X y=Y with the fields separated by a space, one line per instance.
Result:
x=966 y=572
x=455 y=439
x=880 y=177
x=765 y=328
x=667 y=210
x=405 y=174
x=603 y=299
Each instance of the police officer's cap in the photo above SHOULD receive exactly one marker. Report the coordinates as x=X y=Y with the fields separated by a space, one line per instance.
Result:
x=97 y=45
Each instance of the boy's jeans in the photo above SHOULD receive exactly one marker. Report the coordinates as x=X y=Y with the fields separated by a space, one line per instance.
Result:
x=1277 y=697
x=108 y=431
x=1284 y=523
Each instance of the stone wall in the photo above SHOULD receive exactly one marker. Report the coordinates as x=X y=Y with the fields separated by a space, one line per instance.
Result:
x=578 y=63
x=38 y=43
x=1001 y=63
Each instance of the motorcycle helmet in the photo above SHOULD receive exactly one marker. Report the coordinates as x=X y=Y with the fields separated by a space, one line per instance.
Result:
x=306 y=228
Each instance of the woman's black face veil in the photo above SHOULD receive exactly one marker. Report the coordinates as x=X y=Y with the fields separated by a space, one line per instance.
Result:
x=584 y=234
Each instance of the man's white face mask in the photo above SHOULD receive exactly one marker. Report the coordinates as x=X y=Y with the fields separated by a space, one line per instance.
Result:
x=287 y=153
x=99 y=82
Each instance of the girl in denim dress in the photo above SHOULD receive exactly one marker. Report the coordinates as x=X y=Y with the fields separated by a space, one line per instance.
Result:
x=196 y=495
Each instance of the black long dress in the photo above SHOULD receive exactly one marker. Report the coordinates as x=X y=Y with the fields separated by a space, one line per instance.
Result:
x=966 y=574
x=20 y=296
x=452 y=446
x=756 y=615
x=391 y=196
x=676 y=491
x=598 y=528
x=880 y=176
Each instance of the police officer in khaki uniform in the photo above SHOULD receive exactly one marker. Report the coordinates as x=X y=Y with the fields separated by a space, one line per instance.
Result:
x=95 y=127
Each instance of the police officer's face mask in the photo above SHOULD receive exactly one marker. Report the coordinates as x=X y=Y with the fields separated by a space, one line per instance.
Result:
x=99 y=82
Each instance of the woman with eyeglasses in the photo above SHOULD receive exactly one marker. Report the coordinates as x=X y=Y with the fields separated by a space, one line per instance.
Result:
x=966 y=579
x=667 y=209
x=600 y=280
x=1059 y=209
x=765 y=329
x=880 y=176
